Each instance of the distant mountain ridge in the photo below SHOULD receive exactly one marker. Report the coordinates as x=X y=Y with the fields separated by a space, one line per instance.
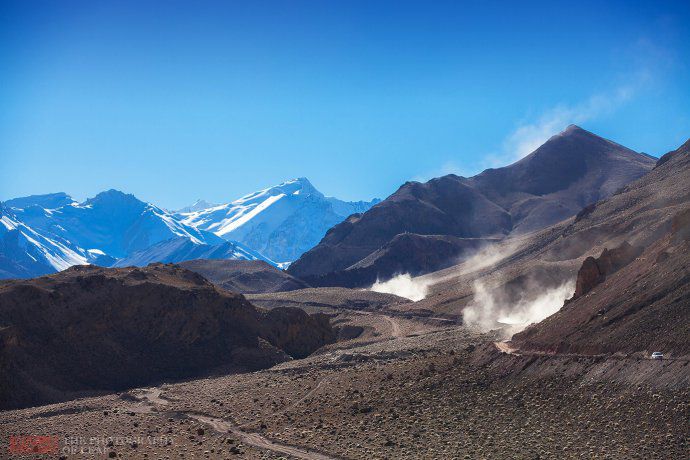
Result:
x=42 y=234
x=25 y=253
x=571 y=170
x=113 y=222
x=180 y=249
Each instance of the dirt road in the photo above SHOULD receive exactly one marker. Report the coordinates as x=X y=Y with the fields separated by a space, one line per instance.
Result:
x=257 y=440
x=396 y=330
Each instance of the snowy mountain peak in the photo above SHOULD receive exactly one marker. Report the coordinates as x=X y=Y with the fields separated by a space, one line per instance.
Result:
x=44 y=233
x=299 y=186
x=280 y=222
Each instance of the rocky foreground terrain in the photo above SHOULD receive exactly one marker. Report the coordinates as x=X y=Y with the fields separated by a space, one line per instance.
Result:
x=88 y=329
x=423 y=393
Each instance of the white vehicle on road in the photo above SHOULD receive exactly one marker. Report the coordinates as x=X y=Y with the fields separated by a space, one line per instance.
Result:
x=657 y=355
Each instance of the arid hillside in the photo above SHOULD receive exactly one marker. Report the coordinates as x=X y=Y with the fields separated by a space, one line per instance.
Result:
x=523 y=268
x=644 y=304
x=90 y=329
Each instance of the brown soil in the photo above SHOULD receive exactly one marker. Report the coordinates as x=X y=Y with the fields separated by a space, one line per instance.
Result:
x=442 y=394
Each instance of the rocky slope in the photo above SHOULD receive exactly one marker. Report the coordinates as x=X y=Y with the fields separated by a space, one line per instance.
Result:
x=594 y=271
x=636 y=304
x=90 y=329
x=426 y=396
x=568 y=172
x=245 y=276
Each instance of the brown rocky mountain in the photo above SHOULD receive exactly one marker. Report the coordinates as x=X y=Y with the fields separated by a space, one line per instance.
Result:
x=244 y=276
x=406 y=253
x=89 y=329
x=571 y=170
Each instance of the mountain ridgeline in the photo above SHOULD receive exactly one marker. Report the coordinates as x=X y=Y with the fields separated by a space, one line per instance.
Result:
x=446 y=218
x=280 y=222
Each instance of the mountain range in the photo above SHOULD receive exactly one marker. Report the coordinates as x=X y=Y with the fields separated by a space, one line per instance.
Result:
x=42 y=234
x=421 y=228
x=577 y=255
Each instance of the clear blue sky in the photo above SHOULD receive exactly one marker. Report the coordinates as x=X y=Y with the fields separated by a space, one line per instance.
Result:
x=174 y=101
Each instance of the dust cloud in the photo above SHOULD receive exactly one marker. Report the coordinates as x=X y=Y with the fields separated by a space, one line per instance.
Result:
x=404 y=285
x=489 y=310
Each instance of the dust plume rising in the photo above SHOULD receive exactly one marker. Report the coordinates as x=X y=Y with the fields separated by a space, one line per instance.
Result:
x=491 y=309
x=404 y=285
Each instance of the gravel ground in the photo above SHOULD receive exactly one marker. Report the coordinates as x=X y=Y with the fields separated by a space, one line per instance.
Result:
x=440 y=394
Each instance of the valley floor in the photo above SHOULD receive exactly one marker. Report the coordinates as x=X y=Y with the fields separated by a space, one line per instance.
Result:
x=405 y=390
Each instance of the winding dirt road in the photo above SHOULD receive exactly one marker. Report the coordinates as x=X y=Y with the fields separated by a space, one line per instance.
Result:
x=257 y=440
x=154 y=401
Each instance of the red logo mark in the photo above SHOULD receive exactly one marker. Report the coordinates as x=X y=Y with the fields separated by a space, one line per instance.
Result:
x=34 y=445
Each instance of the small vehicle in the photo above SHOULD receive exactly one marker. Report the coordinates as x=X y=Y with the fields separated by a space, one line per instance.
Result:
x=657 y=355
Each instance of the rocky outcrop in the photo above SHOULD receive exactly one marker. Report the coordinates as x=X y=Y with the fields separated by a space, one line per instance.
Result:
x=90 y=329
x=285 y=328
x=595 y=270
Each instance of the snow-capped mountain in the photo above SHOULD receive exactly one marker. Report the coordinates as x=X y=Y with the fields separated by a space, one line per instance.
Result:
x=181 y=249
x=112 y=222
x=280 y=222
x=49 y=201
x=43 y=234
x=25 y=252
